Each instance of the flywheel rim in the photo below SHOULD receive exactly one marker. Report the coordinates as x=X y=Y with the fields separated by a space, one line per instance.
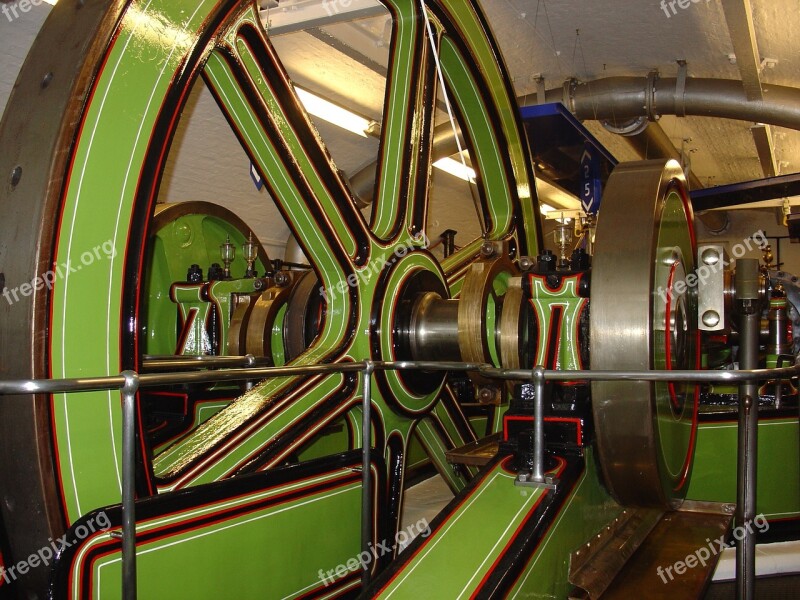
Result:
x=645 y=249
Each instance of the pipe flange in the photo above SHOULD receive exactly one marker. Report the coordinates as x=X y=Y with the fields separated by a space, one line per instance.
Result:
x=651 y=110
x=635 y=126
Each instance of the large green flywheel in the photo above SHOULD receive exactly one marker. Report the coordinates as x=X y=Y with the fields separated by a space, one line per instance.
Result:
x=87 y=146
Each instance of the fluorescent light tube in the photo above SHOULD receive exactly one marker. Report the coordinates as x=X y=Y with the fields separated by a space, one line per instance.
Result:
x=328 y=111
x=456 y=168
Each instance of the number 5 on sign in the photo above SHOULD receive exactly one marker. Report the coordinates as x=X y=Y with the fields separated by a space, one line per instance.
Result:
x=591 y=186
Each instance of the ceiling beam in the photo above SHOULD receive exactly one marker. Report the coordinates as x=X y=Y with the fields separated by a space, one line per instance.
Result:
x=653 y=142
x=739 y=16
x=762 y=136
x=306 y=15
x=783 y=186
x=348 y=50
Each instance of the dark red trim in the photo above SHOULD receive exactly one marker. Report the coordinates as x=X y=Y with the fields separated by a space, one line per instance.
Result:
x=531 y=419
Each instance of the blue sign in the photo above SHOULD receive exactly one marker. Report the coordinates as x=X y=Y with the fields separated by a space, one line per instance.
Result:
x=591 y=186
x=256 y=177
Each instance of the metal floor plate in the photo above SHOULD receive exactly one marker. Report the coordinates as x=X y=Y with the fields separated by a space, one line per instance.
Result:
x=667 y=564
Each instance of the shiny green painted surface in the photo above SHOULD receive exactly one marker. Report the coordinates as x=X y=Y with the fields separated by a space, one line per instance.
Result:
x=194 y=313
x=202 y=412
x=273 y=552
x=588 y=509
x=108 y=157
x=250 y=401
x=189 y=239
x=392 y=191
x=269 y=157
x=148 y=55
x=327 y=443
x=417 y=456
x=456 y=557
x=498 y=85
x=778 y=471
x=435 y=448
x=544 y=300
x=221 y=293
x=489 y=162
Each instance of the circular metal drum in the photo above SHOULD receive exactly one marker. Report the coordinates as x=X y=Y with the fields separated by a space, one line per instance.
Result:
x=480 y=308
x=86 y=139
x=644 y=316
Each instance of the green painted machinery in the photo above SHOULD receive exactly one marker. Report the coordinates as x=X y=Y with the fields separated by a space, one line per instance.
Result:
x=254 y=490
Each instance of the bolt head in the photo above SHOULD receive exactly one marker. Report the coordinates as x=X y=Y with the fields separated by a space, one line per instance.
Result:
x=711 y=318
x=526 y=263
x=282 y=279
x=710 y=256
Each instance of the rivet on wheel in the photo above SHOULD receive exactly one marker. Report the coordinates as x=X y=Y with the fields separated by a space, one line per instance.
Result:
x=16 y=175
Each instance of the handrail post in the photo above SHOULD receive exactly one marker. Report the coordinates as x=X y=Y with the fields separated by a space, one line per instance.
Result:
x=250 y=362
x=747 y=298
x=129 y=484
x=366 y=479
x=538 y=425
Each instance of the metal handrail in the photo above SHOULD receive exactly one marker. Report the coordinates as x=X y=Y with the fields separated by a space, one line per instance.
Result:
x=129 y=382
x=116 y=382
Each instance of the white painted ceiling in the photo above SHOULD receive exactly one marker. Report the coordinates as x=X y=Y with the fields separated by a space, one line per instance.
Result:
x=554 y=39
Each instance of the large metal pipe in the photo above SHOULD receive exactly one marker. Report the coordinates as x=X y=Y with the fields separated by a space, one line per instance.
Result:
x=362 y=183
x=652 y=142
x=622 y=98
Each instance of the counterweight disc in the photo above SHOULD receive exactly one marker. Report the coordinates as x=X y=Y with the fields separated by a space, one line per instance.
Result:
x=644 y=316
